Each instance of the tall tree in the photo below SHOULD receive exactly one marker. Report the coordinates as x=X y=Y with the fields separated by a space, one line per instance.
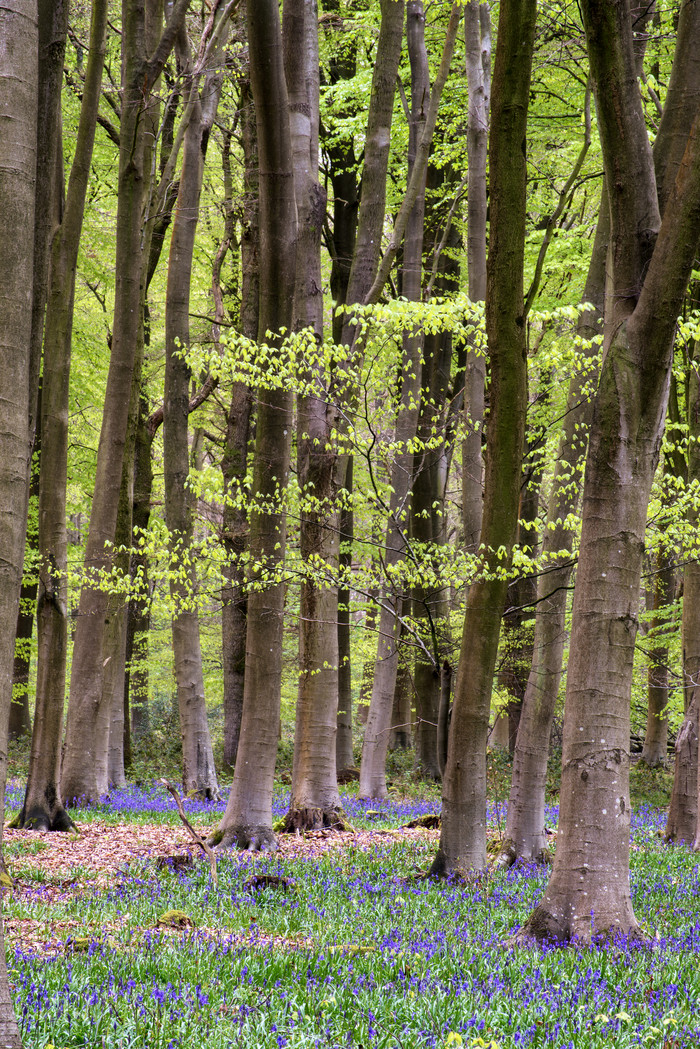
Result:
x=463 y=833
x=315 y=800
x=247 y=821
x=42 y=809
x=19 y=89
x=588 y=894
x=87 y=728
x=198 y=771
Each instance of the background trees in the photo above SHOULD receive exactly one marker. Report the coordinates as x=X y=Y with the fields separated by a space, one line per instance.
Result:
x=306 y=490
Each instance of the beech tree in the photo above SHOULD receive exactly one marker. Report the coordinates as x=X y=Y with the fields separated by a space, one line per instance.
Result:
x=247 y=821
x=19 y=100
x=463 y=830
x=87 y=728
x=588 y=894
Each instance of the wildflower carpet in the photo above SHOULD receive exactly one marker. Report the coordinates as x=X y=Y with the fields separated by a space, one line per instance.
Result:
x=117 y=937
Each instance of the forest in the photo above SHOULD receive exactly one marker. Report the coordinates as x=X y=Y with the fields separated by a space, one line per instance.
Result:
x=350 y=472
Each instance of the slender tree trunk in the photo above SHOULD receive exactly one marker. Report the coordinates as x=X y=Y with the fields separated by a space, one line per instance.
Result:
x=682 y=814
x=20 y=718
x=42 y=809
x=649 y=278
x=247 y=821
x=654 y=752
x=79 y=771
x=234 y=462
x=377 y=730
x=198 y=771
x=344 y=756
x=19 y=86
x=477 y=39
x=463 y=832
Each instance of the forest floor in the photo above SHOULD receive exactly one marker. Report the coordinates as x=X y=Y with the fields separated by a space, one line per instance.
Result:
x=117 y=936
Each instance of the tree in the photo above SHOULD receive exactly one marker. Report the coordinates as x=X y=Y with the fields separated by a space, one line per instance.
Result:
x=87 y=728
x=588 y=893
x=247 y=821
x=19 y=89
x=198 y=774
x=463 y=831
x=42 y=809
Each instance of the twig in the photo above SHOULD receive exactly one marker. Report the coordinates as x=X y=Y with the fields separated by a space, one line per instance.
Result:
x=196 y=838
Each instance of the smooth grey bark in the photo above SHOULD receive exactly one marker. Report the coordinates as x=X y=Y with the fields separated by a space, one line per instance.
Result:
x=315 y=800
x=409 y=224
x=198 y=771
x=431 y=605
x=86 y=719
x=525 y=836
x=463 y=831
x=588 y=895
x=477 y=41
x=42 y=808
x=247 y=821
x=654 y=751
x=234 y=462
x=19 y=89
x=378 y=729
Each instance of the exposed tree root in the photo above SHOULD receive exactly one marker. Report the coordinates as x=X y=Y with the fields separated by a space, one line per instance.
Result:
x=543 y=927
x=38 y=818
x=507 y=856
x=314 y=819
x=251 y=839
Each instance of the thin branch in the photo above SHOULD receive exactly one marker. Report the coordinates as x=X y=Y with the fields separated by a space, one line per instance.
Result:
x=204 y=846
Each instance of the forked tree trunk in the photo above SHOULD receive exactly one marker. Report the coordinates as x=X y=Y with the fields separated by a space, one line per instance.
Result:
x=525 y=836
x=42 y=808
x=463 y=831
x=198 y=771
x=247 y=821
x=19 y=82
x=79 y=771
x=588 y=895
x=315 y=800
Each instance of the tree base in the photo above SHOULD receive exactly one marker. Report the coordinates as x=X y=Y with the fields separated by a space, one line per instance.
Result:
x=300 y=820
x=250 y=839
x=543 y=927
x=508 y=856
x=40 y=819
x=442 y=870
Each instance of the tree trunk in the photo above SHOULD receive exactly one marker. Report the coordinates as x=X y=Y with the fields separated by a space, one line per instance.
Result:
x=588 y=895
x=19 y=85
x=198 y=771
x=654 y=752
x=477 y=40
x=344 y=755
x=20 y=718
x=315 y=800
x=682 y=813
x=234 y=463
x=377 y=731
x=463 y=831
x=247 y=821
x=79 y=771
x=525 y=836
x=42 y=809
